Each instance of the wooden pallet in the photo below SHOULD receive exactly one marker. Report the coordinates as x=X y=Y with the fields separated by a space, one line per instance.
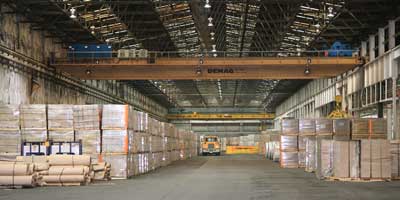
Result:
x=348 y=179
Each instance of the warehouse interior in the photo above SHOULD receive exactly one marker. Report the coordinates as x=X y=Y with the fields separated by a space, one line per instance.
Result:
x=199 y=99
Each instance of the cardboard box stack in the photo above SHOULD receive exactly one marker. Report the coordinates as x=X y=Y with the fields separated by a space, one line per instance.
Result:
x=117 y=139
x=10 y=143
x=33 y=122
x=87 y=120
x=60 y=122
x=375 y=159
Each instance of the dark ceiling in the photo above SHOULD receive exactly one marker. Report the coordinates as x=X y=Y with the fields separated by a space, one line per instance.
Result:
x=238 y=27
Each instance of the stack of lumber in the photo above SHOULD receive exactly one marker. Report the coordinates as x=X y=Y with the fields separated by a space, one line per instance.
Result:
x=18 y=174
x=101 y=171
x=10 y=143
x=33 y=122
x=68 y=170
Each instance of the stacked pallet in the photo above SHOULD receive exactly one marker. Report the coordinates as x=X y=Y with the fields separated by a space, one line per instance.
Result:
x=10 y=143
x=60 y=122
x=368 y=129
x=33 y=122
x=155 y=143
x=395 y=158
x=341 y=129
x=307 y=132
x=117 y=139
x=289 y=152
x=87 y=120
x=68 y=170
x=375 y=159
x=17 y=174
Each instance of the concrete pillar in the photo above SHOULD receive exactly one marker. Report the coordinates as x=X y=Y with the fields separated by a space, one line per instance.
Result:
x=381 y=41
x=392 y=33
x=363 y=49
x=371 y=44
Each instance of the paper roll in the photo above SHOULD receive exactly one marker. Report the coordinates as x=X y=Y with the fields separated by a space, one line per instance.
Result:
x=64 y=178
x=17 y=180
x=73 y=160
x=66 y=171
x=16 y=169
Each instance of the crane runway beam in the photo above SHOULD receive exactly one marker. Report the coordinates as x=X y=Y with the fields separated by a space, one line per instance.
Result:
x=207 y=69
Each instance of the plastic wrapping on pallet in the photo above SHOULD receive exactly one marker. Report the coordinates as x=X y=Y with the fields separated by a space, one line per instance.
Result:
x=60 y=117
x=33 y=117
x=290 y=127
x=276 y=152
x=117 y=141
x=34 y=135
x=310 y=154
x=288 y=143
x=141 y=121
x=10 y=142
x=154 y=126
x=289 y=159
x=323 y=126
x=324 y=158
x=141 y=142
x=61 y=135
x=302 y=142
x=346 y=159
x=156 y=144
x=117 y=117
x=369 y=128
x=87 y=117
x=341 y=129
x=90 y=140
x=9 y=117
x=122 y=165
x=395 y=158
x=302 y=158
x=375 y=158
x=306 y=127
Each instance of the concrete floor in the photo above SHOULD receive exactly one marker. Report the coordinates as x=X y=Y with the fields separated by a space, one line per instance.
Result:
x=217 y=178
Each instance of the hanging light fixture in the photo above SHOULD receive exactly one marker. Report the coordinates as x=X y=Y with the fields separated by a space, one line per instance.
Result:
x=207 y=5
x=212 y=35
x=214 y=46
x=210 y=21
x=72 y=10
x=92 y=28
x=330 y=12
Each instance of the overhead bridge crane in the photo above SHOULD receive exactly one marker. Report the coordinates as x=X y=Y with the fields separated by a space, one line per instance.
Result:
x=227 y=116
x=167 y=68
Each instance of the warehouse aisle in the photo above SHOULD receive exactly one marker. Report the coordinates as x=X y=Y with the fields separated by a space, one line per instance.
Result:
x=216 y=178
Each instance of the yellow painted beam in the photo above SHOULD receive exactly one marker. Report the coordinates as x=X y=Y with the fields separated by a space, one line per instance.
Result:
x=211 y=68
x=211 y=116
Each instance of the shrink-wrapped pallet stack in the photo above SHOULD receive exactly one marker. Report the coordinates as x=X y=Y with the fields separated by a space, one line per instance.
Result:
x=10 y=143
x=60 y=122
x=375 y=159
x=117 y=139
x=307 y=131
x=87 y=120
x=341 y=129
x=289 y=152
x=395 y=159
x=368 y=129
x=33 y=122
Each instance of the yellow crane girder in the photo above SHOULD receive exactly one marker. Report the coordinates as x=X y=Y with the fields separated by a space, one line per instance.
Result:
x=213 y=116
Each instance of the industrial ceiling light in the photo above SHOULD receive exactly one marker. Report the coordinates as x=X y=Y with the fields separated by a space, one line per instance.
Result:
x=307 y=71
x=330 y=12
x=207 y=5
x=198 y=71
x=210 y=21
x=72 y=10
x=214 y=48
x=92 y=28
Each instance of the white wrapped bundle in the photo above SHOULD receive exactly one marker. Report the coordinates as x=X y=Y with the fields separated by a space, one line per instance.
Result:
x=117 y=117
x=87 y=117
x=60 y=117
x=9 y=117
x=33 y=117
